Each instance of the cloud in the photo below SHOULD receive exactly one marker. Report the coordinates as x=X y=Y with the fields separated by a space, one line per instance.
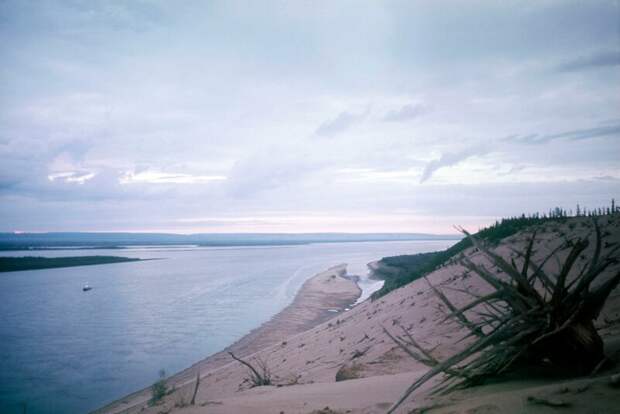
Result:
x=513 y=170
x=157 y=177
x=341 y=123
x=448 y=159
x=608 y=178
x=170 y=98
x=371 y=175
x=72 y=176
x=598 y=60
x=271 y=169
x=574 y=135
x=406 y=113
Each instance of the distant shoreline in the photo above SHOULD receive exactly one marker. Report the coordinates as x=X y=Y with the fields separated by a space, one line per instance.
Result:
x=18 y=264
x=86 y=241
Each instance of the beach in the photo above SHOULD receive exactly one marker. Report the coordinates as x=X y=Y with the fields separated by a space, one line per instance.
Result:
x=319 y=299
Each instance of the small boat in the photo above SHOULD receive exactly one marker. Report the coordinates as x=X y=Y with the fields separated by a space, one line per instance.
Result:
x=86 y=288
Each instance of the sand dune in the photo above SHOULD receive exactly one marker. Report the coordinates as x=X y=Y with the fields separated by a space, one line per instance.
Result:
x=352 y=345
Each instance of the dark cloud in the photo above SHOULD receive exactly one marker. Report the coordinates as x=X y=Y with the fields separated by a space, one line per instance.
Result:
x=449 y=159
x=597 y=60
x=406 y=113
x=341 y=123
x=574 y=135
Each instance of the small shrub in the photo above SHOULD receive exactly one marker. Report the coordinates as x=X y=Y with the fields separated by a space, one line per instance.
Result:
x=348 y=372
x=181 y=400
x=259 y=375
x=159 y=388
x=326 y=410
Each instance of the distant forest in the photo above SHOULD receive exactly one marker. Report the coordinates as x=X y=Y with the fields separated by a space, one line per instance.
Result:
x=404 y=269
x=14 y=264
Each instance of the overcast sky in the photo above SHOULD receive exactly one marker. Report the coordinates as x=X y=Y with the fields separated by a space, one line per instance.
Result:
x=303 y=116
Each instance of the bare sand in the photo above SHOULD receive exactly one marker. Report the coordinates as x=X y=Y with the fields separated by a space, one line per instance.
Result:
x=352 y=346
x=320 y=298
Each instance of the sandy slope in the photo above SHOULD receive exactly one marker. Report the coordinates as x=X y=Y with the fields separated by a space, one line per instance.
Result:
x=354 y=341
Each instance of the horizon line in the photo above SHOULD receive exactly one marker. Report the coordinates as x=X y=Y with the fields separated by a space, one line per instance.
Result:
x=19 y=232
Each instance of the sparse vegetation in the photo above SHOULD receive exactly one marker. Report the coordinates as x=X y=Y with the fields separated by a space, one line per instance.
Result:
x=180 y=400
x=326 y=410
x=159 y=389
x=259 y=375
x=348 y=372
x=530 y=316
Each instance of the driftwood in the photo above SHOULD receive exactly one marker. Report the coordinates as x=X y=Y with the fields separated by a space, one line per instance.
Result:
x=193 y=402
x=529 y=316
x=257 y=378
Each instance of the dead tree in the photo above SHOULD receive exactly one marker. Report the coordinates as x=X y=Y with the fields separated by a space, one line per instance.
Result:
x=196 y=388
x=529 y=316
x=258 y=377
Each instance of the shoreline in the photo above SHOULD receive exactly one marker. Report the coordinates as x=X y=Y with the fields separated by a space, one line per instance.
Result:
x=320 y=298
x=9 y=264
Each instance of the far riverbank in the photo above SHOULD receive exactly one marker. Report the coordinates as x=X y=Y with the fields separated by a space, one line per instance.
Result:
x=15 y=264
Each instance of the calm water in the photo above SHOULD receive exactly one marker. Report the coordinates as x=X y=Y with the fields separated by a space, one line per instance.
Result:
x=67 y=351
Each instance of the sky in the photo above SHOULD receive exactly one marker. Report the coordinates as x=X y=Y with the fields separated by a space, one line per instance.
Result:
x=304 y=116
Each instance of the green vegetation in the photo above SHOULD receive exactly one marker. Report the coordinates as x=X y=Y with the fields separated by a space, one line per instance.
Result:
x=13 y=264
x=407 y=268
x=159 y=389
x=413 y=267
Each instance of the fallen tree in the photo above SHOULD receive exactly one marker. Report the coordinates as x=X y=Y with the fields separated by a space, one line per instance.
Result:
x=529 y=316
